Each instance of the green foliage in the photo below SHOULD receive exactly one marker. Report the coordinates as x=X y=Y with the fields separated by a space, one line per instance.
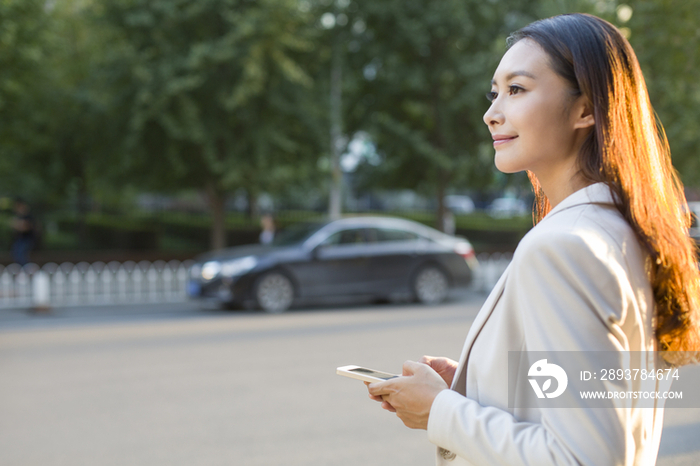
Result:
x=54 y=140
x=427 y=68
x=215 y=95
x=102 y=99
x=666 y=38
x=214 y=92
x=23 y=44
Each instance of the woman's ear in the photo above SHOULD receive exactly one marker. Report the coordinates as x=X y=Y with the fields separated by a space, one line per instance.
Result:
x=583 y=113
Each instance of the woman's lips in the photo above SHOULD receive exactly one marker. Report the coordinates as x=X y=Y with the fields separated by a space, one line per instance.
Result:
x=500 y=140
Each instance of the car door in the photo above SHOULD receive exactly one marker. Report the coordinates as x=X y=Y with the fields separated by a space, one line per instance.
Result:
x=339 y=265
x=393 y=256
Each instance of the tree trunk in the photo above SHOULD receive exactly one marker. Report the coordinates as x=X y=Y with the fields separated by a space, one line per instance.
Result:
x=217 y=201
x=443 y=181
x=335 y=201
x=440 y=220
x=253 y=210
x=82 y=208
x=443 y=176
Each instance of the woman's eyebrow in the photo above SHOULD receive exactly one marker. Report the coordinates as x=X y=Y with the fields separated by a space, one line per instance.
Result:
x=510 y=76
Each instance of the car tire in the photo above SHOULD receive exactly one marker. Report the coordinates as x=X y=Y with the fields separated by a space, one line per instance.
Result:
x=274 y=292
x=430 y=285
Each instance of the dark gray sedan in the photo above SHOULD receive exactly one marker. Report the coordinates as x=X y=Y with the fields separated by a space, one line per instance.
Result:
x=369 y=256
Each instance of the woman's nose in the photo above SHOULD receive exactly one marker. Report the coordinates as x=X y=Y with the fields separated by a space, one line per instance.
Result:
x=493 y=115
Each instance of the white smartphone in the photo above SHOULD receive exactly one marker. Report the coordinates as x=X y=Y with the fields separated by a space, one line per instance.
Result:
x=362 y=373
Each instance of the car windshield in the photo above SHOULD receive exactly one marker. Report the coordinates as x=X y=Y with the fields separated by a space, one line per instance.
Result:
x=296 y=233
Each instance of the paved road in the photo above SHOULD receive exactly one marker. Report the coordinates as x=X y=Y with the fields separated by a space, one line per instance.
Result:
x=173 y=385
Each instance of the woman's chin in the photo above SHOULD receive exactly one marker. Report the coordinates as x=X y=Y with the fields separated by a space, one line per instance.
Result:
x=507 y=166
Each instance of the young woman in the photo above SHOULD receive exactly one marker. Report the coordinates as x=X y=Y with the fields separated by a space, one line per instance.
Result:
x=607 y=268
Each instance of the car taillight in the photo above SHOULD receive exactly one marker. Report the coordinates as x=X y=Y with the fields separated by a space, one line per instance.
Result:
x=465 y=250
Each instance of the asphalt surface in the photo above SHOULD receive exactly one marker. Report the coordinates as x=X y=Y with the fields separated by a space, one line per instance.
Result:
x=176 y=385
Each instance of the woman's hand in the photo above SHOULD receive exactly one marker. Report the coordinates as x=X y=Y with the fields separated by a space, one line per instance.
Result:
x=410 y=396
x=444 y=366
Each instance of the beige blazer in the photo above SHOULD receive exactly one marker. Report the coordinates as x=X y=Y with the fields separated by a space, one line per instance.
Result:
x=577 y=282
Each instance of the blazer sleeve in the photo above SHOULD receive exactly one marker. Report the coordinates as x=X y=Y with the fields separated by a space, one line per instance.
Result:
x=572 y=293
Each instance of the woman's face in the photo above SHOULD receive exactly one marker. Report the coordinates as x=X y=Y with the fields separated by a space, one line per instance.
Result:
x=534 y=119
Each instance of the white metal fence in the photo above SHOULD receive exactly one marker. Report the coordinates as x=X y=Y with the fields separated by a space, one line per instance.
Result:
x=97 y=283
x=70 y=284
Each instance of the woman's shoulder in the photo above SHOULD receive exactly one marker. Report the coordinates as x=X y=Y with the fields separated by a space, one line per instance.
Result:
x=585 y=231
x=590 y=252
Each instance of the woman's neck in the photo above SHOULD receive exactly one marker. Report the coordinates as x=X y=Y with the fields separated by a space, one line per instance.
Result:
x=558 y=188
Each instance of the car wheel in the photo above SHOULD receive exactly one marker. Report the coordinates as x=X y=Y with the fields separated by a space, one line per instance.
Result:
x=274 y=292
x=430 y=285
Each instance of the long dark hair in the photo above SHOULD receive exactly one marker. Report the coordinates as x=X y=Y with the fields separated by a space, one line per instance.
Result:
x=629 y=152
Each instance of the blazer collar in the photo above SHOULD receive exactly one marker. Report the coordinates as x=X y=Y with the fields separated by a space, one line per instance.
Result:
x=596 y=193
x=459 y=380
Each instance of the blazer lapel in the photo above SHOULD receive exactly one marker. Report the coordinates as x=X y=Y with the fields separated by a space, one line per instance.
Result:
x=459 y=382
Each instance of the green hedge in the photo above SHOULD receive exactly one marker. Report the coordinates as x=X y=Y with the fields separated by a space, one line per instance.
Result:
x=193 y=231
x=111 y=232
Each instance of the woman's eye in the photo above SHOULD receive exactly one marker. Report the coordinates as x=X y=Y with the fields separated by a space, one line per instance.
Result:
x=512 y=90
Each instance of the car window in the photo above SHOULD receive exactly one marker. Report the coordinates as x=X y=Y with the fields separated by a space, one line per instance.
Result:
x=391 y=234
x=295 y=234
x=352 y=236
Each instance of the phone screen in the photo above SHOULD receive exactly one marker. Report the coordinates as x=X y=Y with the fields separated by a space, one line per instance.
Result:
x=371 y=373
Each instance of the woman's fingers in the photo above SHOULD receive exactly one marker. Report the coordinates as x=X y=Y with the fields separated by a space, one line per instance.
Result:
x=377 y=393
x=385 y=404
x=443 y=366
x=379 y=389
x=410 y=367
x=427 y=360
x=411 y=395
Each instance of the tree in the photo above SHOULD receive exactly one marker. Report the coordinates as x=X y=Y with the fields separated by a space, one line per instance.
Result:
x=216 y=94
x=52 y=142
x=665 y=37
x=23 y=80
x=426 y=68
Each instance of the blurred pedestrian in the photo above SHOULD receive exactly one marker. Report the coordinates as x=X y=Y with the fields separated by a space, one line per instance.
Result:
x=267 y=222
x=23 y=232
x=608 y=268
